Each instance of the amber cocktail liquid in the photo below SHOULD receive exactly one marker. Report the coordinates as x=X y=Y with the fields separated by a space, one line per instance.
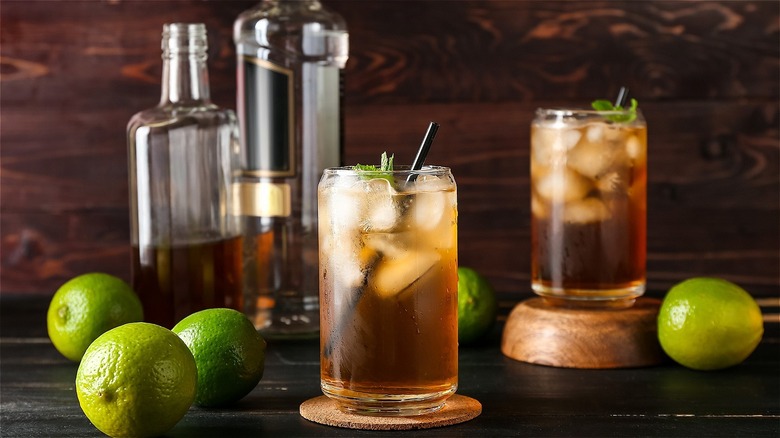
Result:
x=388 y=289
x=588 y=201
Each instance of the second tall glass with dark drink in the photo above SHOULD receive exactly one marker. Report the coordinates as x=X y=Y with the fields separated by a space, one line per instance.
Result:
x=589 y=208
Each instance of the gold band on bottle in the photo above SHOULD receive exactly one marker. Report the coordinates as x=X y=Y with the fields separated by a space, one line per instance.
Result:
x=262 y=199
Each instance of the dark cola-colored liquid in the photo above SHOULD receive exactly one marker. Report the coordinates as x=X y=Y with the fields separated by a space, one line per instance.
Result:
x=403 y=345
x=603 y=255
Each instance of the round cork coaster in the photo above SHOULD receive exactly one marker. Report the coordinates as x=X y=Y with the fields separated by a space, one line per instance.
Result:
x=457 y=409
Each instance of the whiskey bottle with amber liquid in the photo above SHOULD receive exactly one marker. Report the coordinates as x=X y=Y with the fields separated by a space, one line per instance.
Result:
x=183 y=156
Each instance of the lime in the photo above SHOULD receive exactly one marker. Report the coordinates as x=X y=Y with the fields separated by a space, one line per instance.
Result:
x=477 y=306
x=709 y=324
x=86 y=307
x=137 y=380
x=228 y=351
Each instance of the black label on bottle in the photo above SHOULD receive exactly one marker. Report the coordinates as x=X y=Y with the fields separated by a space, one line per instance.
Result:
x=268 y=118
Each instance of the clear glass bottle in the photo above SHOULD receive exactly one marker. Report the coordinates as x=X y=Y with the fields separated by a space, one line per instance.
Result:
x=290 y=60
x=183 y=155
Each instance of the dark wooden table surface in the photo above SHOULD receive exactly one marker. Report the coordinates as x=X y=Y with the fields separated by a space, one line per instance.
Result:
x=37 y=395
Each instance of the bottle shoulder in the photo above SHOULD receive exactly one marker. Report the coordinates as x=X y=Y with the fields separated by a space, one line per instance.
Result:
x=288 y=15
x=286 y=35
x=284 y=26
x=176 y=116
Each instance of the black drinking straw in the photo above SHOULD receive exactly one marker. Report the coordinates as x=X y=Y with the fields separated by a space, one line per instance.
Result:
x=422 y=152
x=621 y=97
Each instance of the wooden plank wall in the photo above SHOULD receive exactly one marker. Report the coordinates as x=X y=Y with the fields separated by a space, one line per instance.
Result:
x=706 y=74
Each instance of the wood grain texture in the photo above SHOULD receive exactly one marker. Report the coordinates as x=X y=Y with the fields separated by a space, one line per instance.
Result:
x=557 y=50
x=707 y=75
x=587 y=338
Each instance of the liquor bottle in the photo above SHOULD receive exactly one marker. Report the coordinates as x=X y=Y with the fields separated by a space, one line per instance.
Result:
x=289 y=73
x=183 y=156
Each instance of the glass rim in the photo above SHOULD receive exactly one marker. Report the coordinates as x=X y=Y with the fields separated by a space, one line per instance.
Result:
x=397 y=170
x=562 y=111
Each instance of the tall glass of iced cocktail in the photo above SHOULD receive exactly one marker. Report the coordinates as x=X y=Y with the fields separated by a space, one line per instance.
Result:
x=388 y=289
x=588 y=202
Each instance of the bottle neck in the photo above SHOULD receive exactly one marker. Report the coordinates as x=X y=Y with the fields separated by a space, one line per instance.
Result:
x=185 y=73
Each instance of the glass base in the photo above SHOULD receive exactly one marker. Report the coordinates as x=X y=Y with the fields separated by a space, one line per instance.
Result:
x=620 y=297
x=387 y=405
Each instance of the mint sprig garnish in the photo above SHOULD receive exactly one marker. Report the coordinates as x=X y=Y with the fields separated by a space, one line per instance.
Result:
x=383 y=171
x=386 y=162
x=605 y=105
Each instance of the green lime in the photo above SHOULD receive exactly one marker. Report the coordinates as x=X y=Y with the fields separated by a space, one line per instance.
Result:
x=229 y=352
x=709 y=324
x=477 y=306
x=136 y=380
x=86 y=307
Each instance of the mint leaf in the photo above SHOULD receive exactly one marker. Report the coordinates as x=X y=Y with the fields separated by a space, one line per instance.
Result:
x=602 y=105
x=387 y=163
x=634 y=105
x=364 y=168
x=370 y=171
x=605 y=105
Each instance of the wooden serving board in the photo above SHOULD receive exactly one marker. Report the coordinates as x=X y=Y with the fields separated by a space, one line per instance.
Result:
x=540 y=333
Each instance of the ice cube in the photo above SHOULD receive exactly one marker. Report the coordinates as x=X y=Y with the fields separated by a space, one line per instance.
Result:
x=612 y=182
x=562 y=185
x=595 y=132
x=428 y=209
x=393 y=275
x=382 y=209
x=592 y=159
x=344 y=208
x=435 y=214
x=388 y=244
x=549 y=145
x=538 y=208
x=431 y=183
x=443 y=236
x=585 y=211
x=378 y=186
x=613 y=132
x=349 y=260
x=634 y=148
x=567 y=139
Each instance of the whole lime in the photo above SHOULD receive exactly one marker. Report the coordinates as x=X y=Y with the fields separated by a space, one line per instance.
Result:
x=477 y=306
x=136 y=380
x=709 y=323
x=229 y=353
x=86 y=307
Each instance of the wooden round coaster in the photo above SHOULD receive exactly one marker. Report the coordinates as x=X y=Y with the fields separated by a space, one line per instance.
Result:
x=539 y=333
x=457 y=409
